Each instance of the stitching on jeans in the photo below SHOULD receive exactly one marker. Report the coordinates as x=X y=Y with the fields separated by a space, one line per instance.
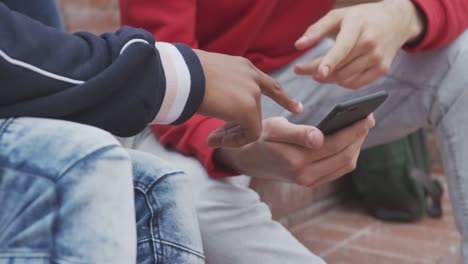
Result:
x=149 y=186
x=174 y=245
x=150 y=208
x=148 y=204
x=161 y=252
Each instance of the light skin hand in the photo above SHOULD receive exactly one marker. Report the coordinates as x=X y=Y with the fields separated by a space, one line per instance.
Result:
x=369 y=37
x=233 y=92
x=298 y=153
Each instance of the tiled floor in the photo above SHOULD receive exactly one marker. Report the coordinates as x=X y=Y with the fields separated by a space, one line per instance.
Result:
x=346 y=235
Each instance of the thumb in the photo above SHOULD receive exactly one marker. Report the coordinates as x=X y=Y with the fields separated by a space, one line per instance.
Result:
x=279 y=129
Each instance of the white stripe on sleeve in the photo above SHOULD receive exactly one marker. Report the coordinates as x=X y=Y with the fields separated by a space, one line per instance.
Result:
x=183 y=82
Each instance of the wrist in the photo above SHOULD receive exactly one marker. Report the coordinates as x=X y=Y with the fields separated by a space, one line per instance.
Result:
x=225 y=158
x=418 y=24
x=414 y=19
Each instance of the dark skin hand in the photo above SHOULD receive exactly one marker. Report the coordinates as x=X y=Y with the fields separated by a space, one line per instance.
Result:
x=234 y=87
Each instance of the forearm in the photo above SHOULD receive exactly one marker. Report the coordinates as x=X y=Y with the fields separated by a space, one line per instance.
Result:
x=115 y=81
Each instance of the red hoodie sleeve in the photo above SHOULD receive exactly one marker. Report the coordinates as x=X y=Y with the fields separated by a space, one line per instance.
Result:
x=446 y=20
x=190 y=139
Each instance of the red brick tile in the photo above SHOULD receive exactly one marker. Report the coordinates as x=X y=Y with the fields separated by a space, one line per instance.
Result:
x=322 y=232
x=346 y=217
x=311 y=213
x=318 y=247
x=355 y=256
x=90 y=3
x=90 y=15
x=446 y=223
x=285 y=198
x=407 y=248
x=417 y=232
x=93 y=20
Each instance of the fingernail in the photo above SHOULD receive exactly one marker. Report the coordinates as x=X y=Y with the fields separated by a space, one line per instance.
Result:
x=302 y=40
x=325 y=70
x=372 y=124
x=311 y=137
x=300 y=107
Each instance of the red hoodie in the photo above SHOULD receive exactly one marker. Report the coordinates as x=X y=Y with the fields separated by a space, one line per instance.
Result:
x=264 y=31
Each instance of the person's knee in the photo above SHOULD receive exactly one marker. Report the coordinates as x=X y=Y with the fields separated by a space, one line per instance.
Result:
x=455 y=49
x=51 y=147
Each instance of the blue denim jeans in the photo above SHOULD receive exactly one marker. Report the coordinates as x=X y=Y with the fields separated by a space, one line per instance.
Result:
x=69 y=193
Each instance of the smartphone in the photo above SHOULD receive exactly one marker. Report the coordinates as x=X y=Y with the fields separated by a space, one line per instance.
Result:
x=349 y=112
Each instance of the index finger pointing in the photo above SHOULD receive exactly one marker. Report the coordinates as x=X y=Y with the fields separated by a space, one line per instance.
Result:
x=345 y=42
x=273 y=89
x=328 y=24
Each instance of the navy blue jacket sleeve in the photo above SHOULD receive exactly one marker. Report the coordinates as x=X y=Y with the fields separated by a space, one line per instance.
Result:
x=116 y=81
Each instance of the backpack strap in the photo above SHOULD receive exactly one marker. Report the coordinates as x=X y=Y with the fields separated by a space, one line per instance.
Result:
x=433 y=191
x=421 y=173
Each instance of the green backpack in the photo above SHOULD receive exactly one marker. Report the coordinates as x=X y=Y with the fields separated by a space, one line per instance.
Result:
x=394 y=183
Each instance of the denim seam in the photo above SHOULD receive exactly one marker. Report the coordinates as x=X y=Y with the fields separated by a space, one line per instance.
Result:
x=151 y=220
x=147 y=187
x=174 y=245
